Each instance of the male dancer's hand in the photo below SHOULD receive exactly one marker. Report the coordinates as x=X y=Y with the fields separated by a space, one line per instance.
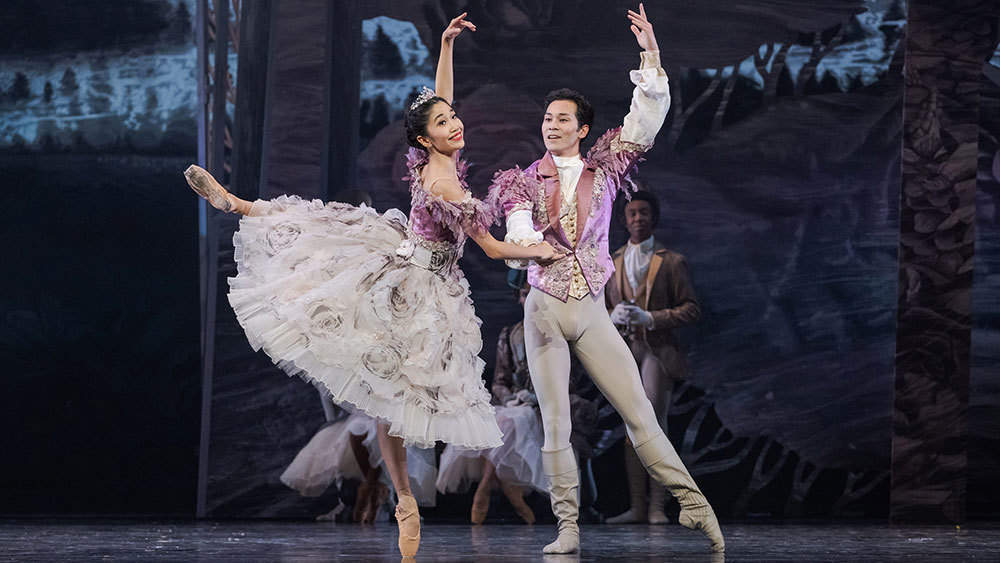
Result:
x=456 y=26
x=642 y=29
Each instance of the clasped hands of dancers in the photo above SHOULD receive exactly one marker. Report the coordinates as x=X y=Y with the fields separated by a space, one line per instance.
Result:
x=374 y=309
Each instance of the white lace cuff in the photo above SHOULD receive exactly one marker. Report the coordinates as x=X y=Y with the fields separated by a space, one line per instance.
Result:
x=524 y=238
x=520 y=229
x=650 y=101
x=528 y=239
x=518 y=264
x=649 y=59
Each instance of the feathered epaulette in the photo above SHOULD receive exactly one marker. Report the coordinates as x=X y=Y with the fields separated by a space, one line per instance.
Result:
x=617 y=158
x=509 y=188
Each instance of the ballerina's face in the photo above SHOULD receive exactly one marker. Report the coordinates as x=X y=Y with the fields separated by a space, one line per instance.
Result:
x=445 y=131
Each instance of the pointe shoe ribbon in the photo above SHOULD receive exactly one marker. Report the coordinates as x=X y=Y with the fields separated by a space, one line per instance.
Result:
x=405 y=510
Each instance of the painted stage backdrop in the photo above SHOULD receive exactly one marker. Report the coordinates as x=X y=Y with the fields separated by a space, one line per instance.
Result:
x=99 y=306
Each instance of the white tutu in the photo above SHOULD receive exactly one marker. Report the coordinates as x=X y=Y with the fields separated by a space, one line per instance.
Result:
x=328 y=458
x=321 y=289
x=518 y=461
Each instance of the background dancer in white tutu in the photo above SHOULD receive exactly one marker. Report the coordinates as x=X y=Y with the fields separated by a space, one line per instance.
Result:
x=374 y=308
x=348 y=449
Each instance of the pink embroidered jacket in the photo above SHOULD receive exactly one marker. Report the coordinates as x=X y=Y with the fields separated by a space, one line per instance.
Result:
x=537 y=188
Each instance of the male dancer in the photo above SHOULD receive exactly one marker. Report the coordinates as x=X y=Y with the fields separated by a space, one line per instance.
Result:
x=567 y=201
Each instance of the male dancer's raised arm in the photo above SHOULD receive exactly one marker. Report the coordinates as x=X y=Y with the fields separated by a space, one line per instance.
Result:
x=617 y=151
x=651 y=97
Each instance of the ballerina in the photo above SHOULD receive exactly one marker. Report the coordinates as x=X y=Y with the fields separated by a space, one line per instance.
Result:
x=374 y=308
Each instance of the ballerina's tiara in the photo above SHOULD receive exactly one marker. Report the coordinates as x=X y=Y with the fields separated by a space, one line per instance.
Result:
x=425 y=94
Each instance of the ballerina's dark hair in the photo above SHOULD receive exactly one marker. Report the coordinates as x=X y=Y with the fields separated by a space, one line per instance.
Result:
x=415 y=120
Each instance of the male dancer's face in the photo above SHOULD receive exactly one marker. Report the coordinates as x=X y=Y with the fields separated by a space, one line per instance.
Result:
x=639 y=220
x=561 y=131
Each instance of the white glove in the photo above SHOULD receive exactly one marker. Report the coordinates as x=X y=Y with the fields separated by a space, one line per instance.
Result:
x=512 y=402
x=639 y=316
x=619 y=315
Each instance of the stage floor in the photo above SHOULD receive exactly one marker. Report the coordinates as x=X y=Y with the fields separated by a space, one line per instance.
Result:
x=132 y=540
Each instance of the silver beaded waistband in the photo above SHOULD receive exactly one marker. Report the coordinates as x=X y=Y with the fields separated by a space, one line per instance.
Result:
x=439 y=261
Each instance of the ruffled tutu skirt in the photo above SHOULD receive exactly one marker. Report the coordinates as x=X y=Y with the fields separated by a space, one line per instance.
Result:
x=518 y=461
x=321 y=289
x=328 y=458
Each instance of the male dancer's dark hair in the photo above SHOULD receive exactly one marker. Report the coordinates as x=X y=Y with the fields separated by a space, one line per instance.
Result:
x=584 y=110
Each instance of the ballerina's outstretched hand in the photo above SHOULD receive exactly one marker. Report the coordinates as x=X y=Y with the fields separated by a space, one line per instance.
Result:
x=456 y=26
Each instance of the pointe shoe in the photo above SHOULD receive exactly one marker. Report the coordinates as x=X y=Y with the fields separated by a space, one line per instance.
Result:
x=480 y=506
x=516 y=497
x=371 y=495
x=332 y=515
x=406 y=513
x=362 y=502
x=207 y=187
